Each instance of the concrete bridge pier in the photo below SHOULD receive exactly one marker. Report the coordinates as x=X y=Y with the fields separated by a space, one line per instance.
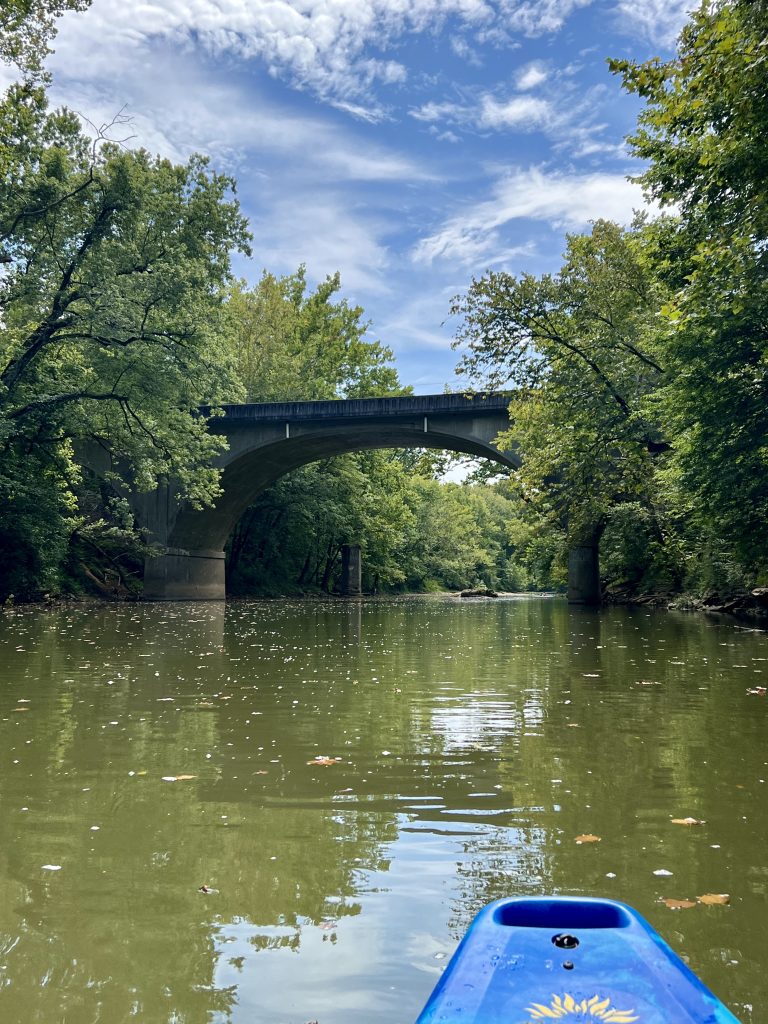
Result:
x=181 y=575
x=584 y=574
x=351 y=571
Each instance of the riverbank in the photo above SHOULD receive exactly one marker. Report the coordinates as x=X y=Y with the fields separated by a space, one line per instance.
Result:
x=752 y=603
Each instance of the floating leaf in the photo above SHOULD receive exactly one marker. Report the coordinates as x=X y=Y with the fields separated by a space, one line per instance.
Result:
x=688 y=821
x=678 y=904
x=663 y=872
x=588 y=838
x=715 y=899
x=185 y=778
x=51 y=867
x=324 y=762
x=648 y=682
x=756 y=691
x=207 y=890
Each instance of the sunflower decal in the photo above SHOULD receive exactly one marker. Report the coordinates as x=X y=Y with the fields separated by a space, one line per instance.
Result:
x=588 y=1010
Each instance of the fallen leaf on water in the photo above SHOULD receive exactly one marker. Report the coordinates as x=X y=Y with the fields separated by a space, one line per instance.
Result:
x=324 y=762
x=715 y=899
x=574 y=725
x=178 y=778
x=21 y=709
x=261 y=771
x=756 y=691
x=648 y=682
x=207 y=890
x=663 y=872
x=678 y=904
x=688 y=821
x=588 y=838
x=51 y=867
x=591 y=675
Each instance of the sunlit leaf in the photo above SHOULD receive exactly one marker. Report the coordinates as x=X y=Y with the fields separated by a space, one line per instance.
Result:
x=688 y=821
x=678 y=904
x=588 y=838
x=715 y=899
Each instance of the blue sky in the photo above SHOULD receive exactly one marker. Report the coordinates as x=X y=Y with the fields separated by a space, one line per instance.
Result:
x=409 y=144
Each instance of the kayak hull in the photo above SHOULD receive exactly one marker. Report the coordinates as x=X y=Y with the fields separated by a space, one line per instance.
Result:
x=533 y=960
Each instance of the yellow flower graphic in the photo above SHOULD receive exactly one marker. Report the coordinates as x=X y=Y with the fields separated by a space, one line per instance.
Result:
x=566 y=1008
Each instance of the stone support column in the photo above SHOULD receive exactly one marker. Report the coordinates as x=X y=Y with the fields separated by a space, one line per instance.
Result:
x=584 y=574
x=180 y=575
x=351 y=570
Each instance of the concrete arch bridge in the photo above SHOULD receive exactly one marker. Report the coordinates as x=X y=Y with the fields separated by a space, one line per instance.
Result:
x=266 y=441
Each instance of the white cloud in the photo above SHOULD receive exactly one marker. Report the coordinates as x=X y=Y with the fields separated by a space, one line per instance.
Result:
x=491 y=113
x=322 y=45
x=318 y=44
x=566 y=116
x=324 y=232
x=524 y=112
x=658 y=21
x=531 y=75
x=537 y=17
x=563 y=201
x=237 y=129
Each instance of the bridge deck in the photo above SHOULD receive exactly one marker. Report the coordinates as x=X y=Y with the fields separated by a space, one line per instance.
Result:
x=363 y=408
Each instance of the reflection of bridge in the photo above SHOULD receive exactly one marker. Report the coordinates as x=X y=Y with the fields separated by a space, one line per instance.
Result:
x=267 y=441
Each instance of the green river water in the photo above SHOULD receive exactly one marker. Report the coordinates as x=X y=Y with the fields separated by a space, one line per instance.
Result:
x=146 y=751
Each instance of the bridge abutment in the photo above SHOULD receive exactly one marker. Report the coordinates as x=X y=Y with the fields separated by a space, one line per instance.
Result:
x=181 y=575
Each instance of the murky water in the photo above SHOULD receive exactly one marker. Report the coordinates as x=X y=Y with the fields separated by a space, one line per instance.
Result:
x=148 y=751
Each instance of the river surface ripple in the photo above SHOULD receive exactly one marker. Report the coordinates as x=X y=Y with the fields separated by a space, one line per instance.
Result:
x=352 y=782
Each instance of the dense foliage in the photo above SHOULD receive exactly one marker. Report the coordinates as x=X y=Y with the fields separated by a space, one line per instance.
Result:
x=643 y=364
x=112 y=269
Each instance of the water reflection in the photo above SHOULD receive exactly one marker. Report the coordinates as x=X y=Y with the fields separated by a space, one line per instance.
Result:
x=354 y=780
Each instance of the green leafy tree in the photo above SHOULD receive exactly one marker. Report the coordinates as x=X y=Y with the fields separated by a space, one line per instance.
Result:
x=113 y=269
x=703 y=131
x=292 y=344
x=26 y=28
x=579 y=350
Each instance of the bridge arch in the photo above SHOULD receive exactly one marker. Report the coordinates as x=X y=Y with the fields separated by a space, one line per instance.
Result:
x=268 y=441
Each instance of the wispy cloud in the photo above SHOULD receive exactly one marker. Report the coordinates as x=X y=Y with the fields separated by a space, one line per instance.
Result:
x=563 y=201
x=323 y=232
x=489 y=112
x=236 y=128
x=334 y=48
x=531 y=75
x=561 y=112
x=657 y=21
x=537 y=17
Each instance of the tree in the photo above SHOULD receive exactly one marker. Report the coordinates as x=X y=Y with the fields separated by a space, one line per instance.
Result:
x=578 y=348
x=290 y=344
x=26 y=27
x=114 y=265
x=703 y=131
